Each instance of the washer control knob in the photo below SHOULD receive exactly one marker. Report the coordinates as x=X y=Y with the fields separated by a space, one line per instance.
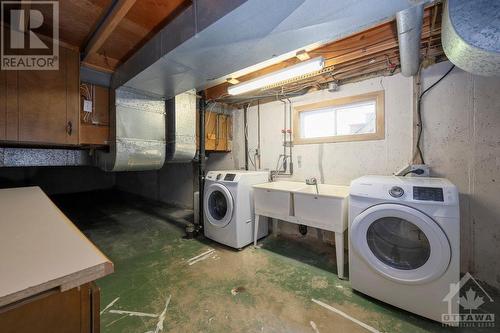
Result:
x=219 y=176
x=396 y=192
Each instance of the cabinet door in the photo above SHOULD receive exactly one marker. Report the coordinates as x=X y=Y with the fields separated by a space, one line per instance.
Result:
x=221 y=139
x=3 y=105
x=218 y=132
x=9 y=116
x=48 y=103
x=72 y=96
x=229 y=133
x=210 y=131
x=75 y=310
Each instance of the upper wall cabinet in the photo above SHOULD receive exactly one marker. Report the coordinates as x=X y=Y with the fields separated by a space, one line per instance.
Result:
x=41 y=107
x=218 y=130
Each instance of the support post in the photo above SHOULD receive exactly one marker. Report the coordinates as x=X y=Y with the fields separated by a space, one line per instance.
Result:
x=201 y=161
x=339 y=251
x=245 y=129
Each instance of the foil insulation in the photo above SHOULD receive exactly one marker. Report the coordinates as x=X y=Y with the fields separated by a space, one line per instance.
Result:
x=181 y=127
x=409 y=23
x=470 y=35
x=139 y=131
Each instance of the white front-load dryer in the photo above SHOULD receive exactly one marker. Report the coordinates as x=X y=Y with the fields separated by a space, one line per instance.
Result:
x=404 y=243
x=228 y=207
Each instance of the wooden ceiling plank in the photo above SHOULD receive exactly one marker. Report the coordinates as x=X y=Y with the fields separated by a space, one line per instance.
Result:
x=101 y=62
x=117 y=13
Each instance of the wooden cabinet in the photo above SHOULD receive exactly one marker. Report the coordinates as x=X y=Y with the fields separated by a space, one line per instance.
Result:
x=94 y=125
x=47 y=288
x=218 y=131
x=75 y=310
x=9 y=115
x=42 y=107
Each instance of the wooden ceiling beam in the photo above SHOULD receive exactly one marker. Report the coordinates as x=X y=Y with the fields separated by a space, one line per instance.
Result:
x=116 y=14
x=101 y=62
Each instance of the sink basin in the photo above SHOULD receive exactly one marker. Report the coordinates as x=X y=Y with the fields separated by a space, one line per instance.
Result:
x=275 y=199
x=325 y=190
x=281 y=186
x=327 y=210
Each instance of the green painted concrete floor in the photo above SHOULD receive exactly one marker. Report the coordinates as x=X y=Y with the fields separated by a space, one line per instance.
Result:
x=268 y=289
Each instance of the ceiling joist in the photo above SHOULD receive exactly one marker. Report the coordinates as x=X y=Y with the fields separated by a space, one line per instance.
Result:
x=370 y=52
x=115 y=15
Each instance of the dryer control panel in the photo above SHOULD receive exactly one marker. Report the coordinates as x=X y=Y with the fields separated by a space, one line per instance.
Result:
x=428 y=193
x=422 y=190
x=229 y=177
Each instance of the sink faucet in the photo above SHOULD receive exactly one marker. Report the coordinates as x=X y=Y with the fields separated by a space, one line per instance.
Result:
x=272 y=175
x=313 y=181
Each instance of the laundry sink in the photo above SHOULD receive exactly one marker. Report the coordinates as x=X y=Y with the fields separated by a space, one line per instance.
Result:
x=325 y=208
x=275 y=198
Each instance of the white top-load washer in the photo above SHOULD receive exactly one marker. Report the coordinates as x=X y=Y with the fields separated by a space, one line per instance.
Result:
x=228 y=206
x=404 y=242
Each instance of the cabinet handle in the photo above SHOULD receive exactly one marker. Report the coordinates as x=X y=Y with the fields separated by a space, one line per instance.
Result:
x=69 y=128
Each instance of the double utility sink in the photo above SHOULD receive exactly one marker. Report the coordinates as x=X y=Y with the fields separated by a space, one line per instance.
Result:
x=324 y=207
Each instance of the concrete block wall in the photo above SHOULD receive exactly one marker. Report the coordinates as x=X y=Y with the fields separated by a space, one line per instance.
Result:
x=461 y=142
x=57 y=180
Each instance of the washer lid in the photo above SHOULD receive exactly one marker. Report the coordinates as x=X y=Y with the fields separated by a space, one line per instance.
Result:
x=401 y=243
x=218 y=205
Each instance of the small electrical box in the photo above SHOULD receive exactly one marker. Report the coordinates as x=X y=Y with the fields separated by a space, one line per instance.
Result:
x=87 y=105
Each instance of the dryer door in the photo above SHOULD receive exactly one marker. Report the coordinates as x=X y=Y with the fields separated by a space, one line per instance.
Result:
x=401 y=243
x=218 y=205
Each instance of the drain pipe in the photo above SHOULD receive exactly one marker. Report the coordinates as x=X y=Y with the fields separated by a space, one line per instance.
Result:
x=284 y=136
x=245 y=128
x=409 y=23
x=202 y=162
x=290 y=147
x=258 y=133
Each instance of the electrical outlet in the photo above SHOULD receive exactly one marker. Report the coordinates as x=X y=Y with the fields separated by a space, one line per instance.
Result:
x=87 y=105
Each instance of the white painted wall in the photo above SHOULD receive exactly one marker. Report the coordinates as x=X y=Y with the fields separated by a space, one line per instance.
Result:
x=461 y=142
x=344 y=161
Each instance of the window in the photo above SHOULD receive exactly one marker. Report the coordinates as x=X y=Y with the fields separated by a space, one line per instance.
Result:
x=353 y=118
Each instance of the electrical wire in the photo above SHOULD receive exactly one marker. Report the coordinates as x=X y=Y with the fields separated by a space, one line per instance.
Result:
x=419 y=113
x=87 y=94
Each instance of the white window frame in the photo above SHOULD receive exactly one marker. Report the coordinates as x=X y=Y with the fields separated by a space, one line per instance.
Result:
x=379 y=133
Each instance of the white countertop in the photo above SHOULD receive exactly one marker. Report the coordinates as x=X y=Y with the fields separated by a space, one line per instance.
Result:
x=41 y=249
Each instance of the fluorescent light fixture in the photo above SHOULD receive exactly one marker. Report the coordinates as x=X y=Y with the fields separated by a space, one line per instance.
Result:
x=302 y=68
x=303 y=55
x=232 y=80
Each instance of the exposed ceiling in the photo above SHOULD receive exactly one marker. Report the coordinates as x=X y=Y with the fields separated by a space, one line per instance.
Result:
x=251 y=33
x=371 y=52
x=167 y=47
x=80 y=19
